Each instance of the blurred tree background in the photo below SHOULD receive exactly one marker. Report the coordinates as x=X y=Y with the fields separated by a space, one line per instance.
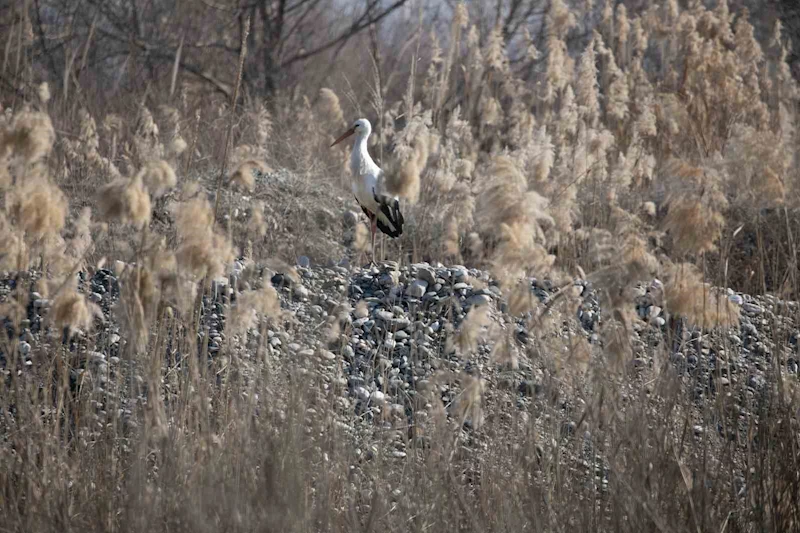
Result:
x=95 y=51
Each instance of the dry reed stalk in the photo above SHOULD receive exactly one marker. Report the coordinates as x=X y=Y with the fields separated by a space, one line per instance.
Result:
x=234 y=99
x=459 y=22
x=174 y=77
x=257 y=224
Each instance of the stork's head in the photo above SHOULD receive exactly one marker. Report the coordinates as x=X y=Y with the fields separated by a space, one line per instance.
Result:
x=361 y=127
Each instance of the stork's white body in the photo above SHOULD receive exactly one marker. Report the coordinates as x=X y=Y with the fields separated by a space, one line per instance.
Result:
x=366 y=175
x=382 y=209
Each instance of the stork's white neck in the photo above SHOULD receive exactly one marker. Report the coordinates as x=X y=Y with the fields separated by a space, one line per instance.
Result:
x=360 y=160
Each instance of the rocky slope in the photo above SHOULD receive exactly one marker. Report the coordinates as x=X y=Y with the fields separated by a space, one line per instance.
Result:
x=384 y=343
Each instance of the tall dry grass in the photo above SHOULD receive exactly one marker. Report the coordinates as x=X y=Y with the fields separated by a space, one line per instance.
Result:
x=651 y=148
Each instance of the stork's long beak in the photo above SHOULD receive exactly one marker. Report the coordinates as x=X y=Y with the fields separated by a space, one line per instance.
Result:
x=344 y=136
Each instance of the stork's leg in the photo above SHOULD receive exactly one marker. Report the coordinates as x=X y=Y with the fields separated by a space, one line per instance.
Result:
x=374 y=229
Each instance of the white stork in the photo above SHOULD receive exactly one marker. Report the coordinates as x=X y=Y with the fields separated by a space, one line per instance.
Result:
x=383 y=210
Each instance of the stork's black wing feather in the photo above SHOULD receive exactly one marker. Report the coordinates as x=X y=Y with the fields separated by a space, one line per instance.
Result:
x=389 y=219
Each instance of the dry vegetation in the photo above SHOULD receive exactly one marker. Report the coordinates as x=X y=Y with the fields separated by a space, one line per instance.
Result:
x=612 y=145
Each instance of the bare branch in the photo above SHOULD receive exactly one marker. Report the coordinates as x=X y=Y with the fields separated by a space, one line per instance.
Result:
x=218 y=7
x=360 y=24
x=169 y=56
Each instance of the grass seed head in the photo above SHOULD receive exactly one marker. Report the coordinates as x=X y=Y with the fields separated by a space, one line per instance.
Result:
x=403 y=179
x=178 y=145
x=203 y=251
x=362 y=309
x=330 y=108
x=257 y=223
x=505 y=352
x=158 y=177
x=245 y=173
x=40 y=208
x=113 y=123
x=471 y=329
x=125 y=200
x=43 y=92
x=72 y=310
x=81 y=240
x=451 y=240
x=688 y=296
x=30 y=136
x=469 y=404
x=252 y=304
x=521 y=300
x=361 y=238
x=695 y=209
x=88 y=141
x=13 y=249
